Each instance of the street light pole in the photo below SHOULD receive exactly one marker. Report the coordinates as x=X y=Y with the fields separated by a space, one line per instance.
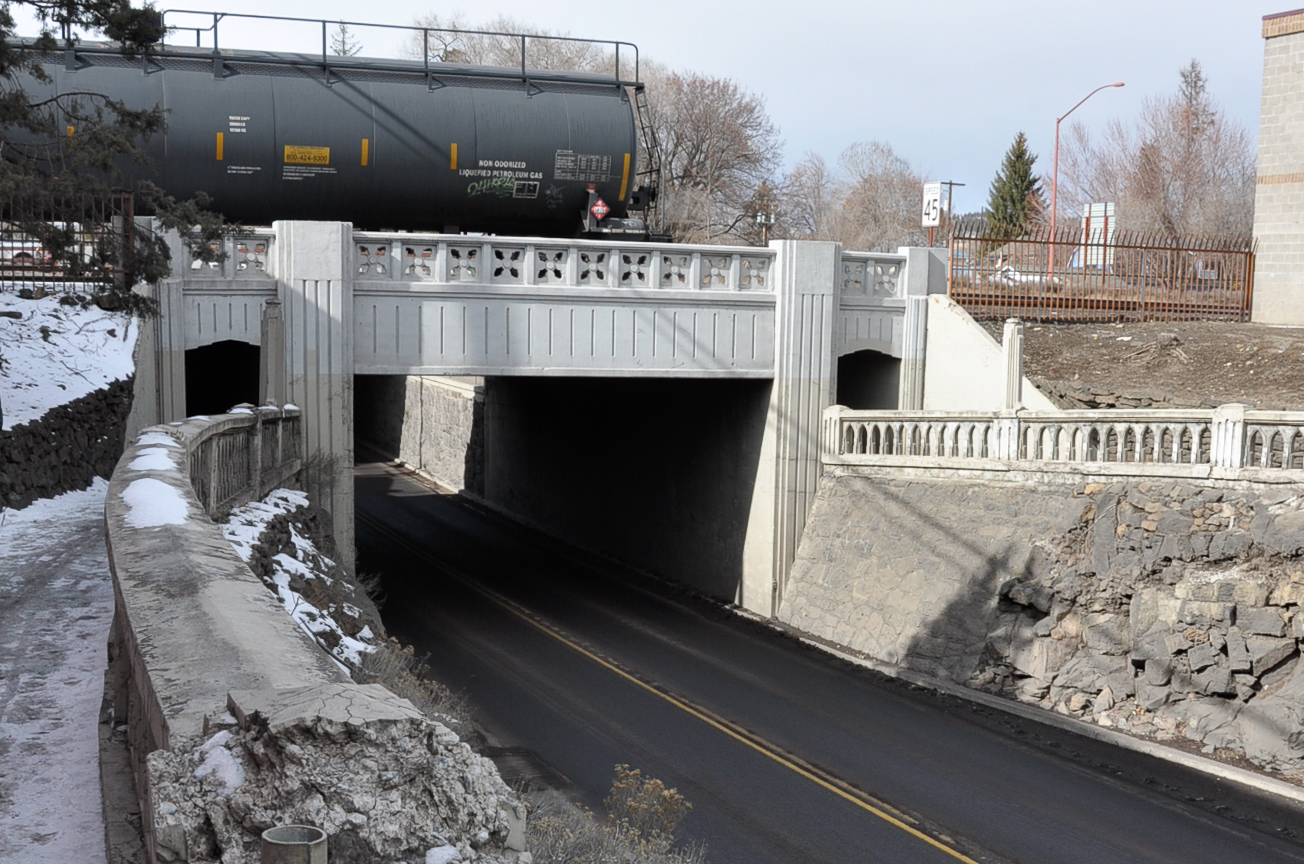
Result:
x=1054 y=183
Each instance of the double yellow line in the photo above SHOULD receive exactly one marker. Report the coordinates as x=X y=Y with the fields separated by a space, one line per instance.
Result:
x=816 y=775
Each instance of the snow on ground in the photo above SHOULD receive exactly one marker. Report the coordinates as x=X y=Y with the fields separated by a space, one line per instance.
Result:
x=54 y=354
x=242 y=529
x=56 y=604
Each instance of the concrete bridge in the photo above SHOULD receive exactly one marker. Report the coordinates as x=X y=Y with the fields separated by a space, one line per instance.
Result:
x=783 y=332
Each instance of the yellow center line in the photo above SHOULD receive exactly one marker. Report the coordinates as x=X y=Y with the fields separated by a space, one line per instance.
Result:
x=755 y=742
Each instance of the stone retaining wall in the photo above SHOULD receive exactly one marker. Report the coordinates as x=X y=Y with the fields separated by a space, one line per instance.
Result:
x=434 y=424
x=1164 y=608
x=66 y=448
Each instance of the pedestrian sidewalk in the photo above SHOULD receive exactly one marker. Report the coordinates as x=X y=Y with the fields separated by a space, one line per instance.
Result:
x=56 y=605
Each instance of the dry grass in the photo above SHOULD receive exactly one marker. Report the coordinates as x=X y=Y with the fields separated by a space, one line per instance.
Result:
x=642 y=815
x=399 y=670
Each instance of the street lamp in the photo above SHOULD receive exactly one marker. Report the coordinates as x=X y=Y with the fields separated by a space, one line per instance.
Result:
x=1054 y=183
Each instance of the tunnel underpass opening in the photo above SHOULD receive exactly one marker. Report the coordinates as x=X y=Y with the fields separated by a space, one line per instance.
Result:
x=220 y=376
x=657 y=473
x=869 y=381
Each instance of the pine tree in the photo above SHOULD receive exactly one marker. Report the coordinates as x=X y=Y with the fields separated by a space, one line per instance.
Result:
x=342 y=42
x=1016 y=197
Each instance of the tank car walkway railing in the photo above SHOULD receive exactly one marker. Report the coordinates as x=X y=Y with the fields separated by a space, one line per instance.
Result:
x=1199 y=443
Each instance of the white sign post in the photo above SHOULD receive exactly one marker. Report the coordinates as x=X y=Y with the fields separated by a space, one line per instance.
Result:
x=932 y=216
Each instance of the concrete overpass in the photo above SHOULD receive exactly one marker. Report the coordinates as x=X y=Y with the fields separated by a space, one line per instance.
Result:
x=325 y=303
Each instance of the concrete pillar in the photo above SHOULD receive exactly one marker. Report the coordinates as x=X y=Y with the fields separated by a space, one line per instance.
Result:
x=271 y=356
x=805 y=278
x=170 y=349
x=1012 y=352
x=914 y=339
x=314 y=280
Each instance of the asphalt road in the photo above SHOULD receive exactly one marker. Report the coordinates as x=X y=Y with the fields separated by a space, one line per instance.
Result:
x=786 y=754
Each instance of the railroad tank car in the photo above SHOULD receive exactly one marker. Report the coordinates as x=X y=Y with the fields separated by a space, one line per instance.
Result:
x=449 y=147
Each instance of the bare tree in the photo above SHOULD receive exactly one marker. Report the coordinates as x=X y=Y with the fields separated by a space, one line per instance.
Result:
x=718 y=146
x=1181 y=167
x=811 y=197
x=343 y=42
x=870 y=203
x=498 y=43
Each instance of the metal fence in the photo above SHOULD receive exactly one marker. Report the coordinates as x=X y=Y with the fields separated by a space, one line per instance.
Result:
x=52 y=255
x=1084 y=276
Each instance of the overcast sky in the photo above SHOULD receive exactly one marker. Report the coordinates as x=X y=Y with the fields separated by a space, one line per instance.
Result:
x=947 y=83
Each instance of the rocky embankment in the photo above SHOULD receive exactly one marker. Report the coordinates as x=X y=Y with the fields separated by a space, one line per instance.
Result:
x=1160 y=608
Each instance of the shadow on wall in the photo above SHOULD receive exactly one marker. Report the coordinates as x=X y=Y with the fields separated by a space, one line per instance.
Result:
x=869 y=381
x=221 y=375
x=657 y=473
x=951 y=640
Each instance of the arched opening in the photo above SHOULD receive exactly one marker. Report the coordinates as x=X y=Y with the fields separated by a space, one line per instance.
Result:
x=869 y=381
x=221 y=375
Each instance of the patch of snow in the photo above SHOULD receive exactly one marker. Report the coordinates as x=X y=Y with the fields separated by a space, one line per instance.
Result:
x=240 y=411
x=243 y=528
x=153 y=459
x=151 y=503
x=56 y=353
x=156 y=439
x=216 y=761
x=56 y=605
x=443 y=855
x=290 y=406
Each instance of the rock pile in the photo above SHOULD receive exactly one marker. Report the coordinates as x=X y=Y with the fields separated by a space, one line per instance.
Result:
x=1170 y=610
x=383 y=782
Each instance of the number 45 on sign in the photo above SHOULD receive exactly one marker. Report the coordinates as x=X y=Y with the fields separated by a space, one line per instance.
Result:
x=932 y=216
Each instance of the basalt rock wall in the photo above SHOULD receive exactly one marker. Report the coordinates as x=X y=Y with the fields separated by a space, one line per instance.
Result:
x=66 y=448
x=1163 y=608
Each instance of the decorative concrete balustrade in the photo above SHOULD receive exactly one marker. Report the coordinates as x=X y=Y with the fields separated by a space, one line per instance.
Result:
x=458 y=260
x=1178 y=443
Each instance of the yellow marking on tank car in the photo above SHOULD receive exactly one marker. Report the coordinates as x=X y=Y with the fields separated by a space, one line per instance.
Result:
x=299 y=155
x=366 y=145
x=452 y=157
x=624 y=179
x=220 y=146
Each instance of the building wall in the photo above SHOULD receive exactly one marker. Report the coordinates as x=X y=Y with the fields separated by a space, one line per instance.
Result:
x=1279 y=195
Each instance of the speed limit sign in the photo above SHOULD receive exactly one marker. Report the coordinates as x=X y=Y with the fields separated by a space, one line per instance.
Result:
x=932 y=216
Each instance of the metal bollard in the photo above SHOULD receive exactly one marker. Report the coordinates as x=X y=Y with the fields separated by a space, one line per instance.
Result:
x=294 y=844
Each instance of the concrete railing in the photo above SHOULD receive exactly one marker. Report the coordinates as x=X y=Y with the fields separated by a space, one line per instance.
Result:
x=457 y=260
x=1195 y=442
x=192 y=623
x=872 y=275
x=244 y=455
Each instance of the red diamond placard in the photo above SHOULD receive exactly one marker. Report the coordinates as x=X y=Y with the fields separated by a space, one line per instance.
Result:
x=600 y=209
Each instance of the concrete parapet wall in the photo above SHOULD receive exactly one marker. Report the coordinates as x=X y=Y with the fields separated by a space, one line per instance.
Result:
x=191 y=621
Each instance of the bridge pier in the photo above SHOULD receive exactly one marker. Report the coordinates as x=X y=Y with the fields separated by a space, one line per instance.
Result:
x=312 y=265
x=807 y=305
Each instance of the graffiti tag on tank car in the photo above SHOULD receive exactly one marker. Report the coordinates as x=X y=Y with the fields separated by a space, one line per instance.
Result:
x=503 y=187
x=300 y=155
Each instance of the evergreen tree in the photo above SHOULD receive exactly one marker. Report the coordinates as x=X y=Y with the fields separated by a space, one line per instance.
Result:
x=1015 y=199
x=52 y=180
